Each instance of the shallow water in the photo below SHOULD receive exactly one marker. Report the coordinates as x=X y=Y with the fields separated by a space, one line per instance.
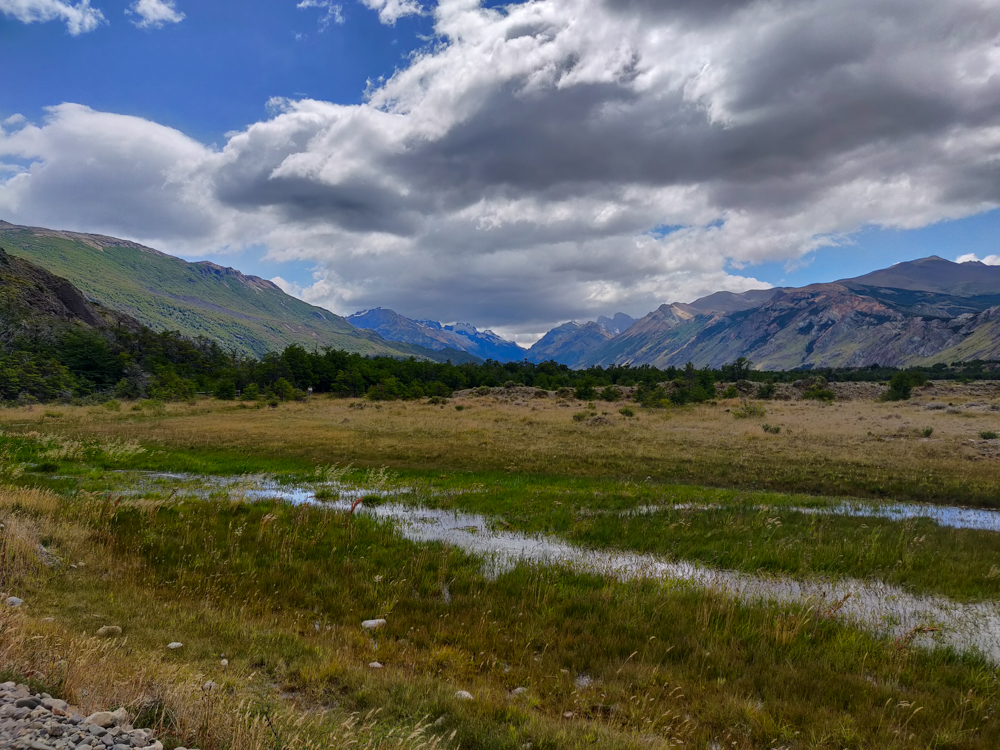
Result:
x=872 y=605
x=944 y=515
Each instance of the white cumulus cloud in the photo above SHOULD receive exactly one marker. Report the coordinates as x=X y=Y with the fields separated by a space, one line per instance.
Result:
x=79 y=18
x=155 y=13
x=559 y=159
x=390 y=11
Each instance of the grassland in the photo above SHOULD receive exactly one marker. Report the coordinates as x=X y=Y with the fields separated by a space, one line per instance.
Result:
x=281 y=590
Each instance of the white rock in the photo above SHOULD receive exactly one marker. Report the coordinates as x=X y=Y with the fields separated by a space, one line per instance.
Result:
x=373 y=624
x=13 y=601
x=175 y=645
x=209 y=686
x=120 y=716
x=109 y=631
x=519 y=691
x=462 y=695
x=101 y=718
x=224 y=663
x=375 y=665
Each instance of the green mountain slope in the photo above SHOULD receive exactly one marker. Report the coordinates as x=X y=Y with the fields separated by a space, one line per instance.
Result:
x=245 y=313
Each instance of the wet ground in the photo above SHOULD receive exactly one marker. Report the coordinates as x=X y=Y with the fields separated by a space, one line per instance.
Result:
x=872 y=605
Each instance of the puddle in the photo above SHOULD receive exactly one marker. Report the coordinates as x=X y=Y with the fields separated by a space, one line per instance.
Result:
x=874 y=606
x=951 y=516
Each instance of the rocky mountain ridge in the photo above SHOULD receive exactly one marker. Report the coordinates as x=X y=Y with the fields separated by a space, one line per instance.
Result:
x=939 y=311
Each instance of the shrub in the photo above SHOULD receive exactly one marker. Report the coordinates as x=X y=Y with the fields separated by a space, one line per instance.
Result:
x=627 y=411
x=731 y=392
x=225 y=390
x=435 y=400
x=113 y=405
x=483 y=390
x=771 y=429
x=564 y=393
x=927 y=431
x=510 y=384
x=749 y=409
x=988 y=435
x=611 y=393
x=251 y=392
x=580 y=416
x=585 y=392
x=459 y=407
x=284 y=390
x=816 y=392
x=900 y=387
x=766 y=390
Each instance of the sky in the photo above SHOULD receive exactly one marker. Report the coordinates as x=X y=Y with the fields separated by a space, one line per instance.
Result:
x=512 y=166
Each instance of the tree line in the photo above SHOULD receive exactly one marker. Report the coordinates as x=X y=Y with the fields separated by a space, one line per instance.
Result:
x=80 y=363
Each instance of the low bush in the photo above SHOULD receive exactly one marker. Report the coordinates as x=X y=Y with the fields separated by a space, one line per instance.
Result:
x=771 y=429
x=627 y=411
x=749 y=409
x=988 y=435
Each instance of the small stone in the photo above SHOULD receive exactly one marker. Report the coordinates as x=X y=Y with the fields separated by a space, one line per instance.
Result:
x=109 y=631
x=175 y=645
x=373 y=624
x=375 y=665
x=209 y=686
x=519 y=691
x=13 y=601
x=120 y=716
x=462 y=695
x=568 y=715
x=224 y=663
x=101 y=719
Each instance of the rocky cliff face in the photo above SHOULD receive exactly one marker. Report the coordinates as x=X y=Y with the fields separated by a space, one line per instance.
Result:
x=30 y=293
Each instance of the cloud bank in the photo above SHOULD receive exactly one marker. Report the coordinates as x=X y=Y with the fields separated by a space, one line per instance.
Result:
x=79 y=18
x=558 y=159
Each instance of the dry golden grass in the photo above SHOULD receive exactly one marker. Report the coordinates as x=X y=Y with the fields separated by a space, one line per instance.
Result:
x=846 y=448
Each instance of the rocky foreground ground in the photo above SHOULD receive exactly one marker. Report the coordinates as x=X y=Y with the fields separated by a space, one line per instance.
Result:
x=40 y=722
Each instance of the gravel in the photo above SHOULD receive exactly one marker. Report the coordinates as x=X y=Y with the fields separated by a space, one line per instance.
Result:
x=37 y=721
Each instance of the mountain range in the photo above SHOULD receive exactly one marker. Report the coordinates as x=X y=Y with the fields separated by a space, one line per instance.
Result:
x=392 y=326
x=243 y=313
x=913 y=313
x=918 y=312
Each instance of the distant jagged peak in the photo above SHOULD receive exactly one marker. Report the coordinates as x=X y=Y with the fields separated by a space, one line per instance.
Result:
x=618 y=323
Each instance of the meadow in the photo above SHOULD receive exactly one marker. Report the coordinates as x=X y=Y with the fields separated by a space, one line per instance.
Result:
x=118 y=515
